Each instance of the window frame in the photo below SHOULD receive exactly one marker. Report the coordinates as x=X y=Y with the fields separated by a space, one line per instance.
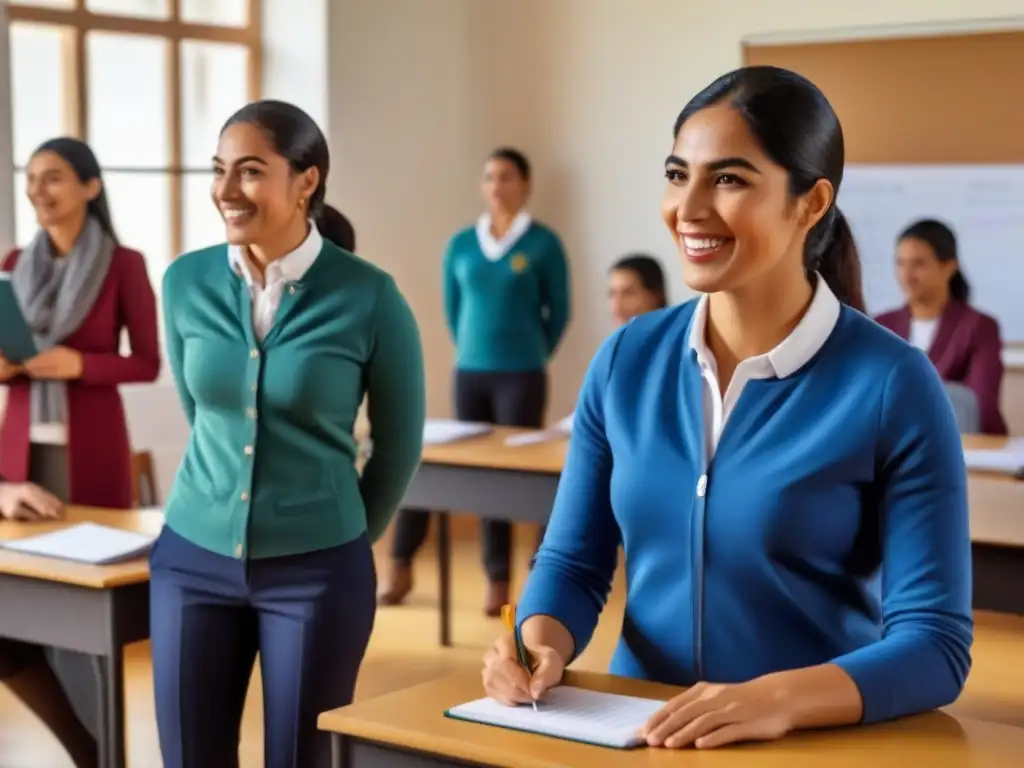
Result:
x=79 y=21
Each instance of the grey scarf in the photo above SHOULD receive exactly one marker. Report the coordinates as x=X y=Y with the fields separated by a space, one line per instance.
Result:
x=55 y=296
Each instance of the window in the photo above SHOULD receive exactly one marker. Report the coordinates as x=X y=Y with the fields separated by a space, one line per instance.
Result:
x=148 y=84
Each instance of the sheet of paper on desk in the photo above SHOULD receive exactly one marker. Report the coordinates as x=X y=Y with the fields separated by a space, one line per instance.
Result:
x=575 y=714
x=560 y=431
x=1007 y=460
x=86 y=543
x=441 y=431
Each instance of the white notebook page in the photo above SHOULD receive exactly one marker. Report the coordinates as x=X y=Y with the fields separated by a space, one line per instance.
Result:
x=86 y=543
x=604 y=719
x=441 y=431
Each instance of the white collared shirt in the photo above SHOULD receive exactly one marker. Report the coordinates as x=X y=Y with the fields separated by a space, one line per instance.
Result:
x=791 y=354
x=266 y=294
x=493 y=248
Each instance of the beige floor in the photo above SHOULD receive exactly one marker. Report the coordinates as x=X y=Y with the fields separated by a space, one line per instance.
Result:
x=404 y=652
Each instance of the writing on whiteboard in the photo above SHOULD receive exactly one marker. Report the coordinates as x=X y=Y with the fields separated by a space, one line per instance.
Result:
x=984 y=205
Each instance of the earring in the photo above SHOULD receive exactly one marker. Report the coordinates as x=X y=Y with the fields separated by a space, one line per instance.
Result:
x=302 y=203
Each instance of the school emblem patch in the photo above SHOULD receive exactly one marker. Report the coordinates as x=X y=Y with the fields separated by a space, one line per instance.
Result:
x=519 y=262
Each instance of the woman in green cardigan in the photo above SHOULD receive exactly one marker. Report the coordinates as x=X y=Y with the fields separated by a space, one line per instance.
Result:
x=274 y=339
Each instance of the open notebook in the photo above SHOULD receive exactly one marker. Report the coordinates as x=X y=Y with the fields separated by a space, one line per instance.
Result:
x=574 y=714
x=85 y=543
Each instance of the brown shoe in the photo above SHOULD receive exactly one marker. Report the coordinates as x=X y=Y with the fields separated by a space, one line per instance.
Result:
x=497 y=597
x=397 y=587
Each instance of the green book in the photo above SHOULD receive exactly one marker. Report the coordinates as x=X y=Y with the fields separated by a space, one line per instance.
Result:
x=16 y=341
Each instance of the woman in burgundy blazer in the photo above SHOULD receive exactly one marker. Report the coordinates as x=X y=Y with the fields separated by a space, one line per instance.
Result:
x=114 y=293
x=963 y=343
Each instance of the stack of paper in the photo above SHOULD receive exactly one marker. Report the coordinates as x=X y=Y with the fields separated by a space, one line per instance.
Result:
x=440 y=431
x=86 y=543
x=1008 y=460
x=560 y=431
x=576 y=714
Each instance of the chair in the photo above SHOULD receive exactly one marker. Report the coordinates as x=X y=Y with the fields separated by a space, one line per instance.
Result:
x=965 y=407
x=143 y=480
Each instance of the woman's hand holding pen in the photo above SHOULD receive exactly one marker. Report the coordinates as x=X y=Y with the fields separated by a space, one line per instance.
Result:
x=507 y=681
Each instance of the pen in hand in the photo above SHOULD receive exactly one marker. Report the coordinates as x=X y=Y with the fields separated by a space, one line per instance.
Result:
x=508 y=615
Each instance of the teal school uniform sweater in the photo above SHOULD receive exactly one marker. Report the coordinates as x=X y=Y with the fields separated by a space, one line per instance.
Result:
x=270 y=465
x=766 y=558
x=509 y=314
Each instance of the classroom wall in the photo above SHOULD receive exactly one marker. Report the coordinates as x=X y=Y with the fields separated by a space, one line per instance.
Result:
x=417 y=91
x=588 y=88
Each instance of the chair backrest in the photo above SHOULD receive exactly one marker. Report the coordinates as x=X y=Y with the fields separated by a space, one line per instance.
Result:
x=144 y=491
x=965 y=407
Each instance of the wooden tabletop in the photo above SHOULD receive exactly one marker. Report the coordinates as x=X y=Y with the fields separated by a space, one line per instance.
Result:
x=413 y=719
x=79 y=574
x=490 y=452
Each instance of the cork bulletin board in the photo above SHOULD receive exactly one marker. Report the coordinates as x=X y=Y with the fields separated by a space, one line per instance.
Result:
x=933 y=127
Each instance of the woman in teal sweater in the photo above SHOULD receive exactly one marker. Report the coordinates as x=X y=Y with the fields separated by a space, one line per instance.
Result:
x=506 y=297
x=274 y=339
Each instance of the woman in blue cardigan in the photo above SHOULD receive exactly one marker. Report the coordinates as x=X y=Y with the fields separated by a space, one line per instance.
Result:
x=759 y=452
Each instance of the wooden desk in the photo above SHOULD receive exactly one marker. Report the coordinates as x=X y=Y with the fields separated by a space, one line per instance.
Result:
x=489 y=479
x=997 y=534
x=94 y=610
x=407 y=729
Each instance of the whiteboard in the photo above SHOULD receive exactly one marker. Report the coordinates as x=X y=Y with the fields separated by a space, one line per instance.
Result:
x=984 y=205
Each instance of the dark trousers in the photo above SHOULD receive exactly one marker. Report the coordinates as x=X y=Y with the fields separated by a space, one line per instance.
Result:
x=308 y=616
x=509 y=399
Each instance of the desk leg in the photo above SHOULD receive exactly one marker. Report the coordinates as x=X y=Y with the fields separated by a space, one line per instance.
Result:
x=337 y=751
x=109 y=672
x=444 y=570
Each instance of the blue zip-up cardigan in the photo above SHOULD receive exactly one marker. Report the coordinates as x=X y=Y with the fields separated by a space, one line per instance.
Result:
x=766 y=558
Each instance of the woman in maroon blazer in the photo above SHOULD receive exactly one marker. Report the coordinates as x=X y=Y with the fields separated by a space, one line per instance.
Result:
x=64 y=427
x=963 y=343
x=78 y=288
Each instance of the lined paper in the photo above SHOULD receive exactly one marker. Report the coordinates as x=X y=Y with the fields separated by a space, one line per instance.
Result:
x=565 y=712
x=85 y=543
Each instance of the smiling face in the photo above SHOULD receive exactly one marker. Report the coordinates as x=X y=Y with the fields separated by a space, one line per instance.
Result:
x=627 y=296
x=260 y=197
x=504 y=188
x=729 y=208
x=922 y=277
x=57 y=195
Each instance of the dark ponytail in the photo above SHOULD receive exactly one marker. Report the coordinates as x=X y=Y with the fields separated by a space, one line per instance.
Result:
x=839 y=262
x=942 y=241
x=336 y=227
x=83 y=162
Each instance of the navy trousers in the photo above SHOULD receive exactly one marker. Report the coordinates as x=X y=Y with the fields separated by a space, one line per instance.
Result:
x=309 y=617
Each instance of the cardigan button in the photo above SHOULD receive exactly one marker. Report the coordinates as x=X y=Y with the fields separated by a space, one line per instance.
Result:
x=702 y=486
x=238 y=551
x=254 y=353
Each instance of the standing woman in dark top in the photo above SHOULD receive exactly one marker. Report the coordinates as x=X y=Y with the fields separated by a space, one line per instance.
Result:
x=963 y=343
x=506 y=298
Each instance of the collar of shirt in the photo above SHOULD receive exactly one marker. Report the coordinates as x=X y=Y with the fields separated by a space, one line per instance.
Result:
x=493 y=248
x=289 y=268
x=793 y=352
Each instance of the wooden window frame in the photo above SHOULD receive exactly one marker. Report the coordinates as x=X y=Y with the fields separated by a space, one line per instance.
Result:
x=79 y=21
